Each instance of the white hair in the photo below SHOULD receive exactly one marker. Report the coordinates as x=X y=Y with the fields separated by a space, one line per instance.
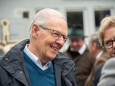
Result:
x=43 y=16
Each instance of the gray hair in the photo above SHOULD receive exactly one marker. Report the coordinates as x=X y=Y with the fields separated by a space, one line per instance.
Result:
x=94 y=38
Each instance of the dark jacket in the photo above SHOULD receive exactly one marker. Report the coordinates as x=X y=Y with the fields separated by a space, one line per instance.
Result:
x=13 y=71
x=98 y=67
x=104 y=57
x=83 y=65
x=97 y=74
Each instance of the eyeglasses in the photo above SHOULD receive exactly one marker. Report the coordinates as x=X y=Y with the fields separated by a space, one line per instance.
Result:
x=56 y=33
x=109 y=43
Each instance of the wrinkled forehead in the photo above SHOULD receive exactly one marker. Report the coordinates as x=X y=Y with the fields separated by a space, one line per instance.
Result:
x=59 y=24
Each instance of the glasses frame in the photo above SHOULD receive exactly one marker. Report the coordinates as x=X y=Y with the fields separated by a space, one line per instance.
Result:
x=55 y=33
x=107 y=45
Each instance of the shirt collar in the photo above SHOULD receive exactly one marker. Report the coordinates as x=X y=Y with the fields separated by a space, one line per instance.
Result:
x=35 y=59
x=82 y=49
x=99 y=54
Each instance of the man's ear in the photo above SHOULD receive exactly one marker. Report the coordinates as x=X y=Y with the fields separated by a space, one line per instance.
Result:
x=34 y=30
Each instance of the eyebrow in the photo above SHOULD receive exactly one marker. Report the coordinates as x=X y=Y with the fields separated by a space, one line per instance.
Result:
x=52 y=29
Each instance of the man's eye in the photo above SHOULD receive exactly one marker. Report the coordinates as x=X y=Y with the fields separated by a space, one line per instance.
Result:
x=64 y=38
x=56 y=34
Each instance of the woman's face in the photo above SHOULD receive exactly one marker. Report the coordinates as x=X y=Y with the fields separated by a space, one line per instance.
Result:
x=109 y=41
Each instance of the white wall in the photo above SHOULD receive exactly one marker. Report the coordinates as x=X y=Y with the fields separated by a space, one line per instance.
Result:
x=12 y=10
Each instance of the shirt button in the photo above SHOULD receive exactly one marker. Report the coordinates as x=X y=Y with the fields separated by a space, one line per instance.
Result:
x=20 y=72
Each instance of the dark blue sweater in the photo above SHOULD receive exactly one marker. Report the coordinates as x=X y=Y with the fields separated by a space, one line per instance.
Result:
x=39 y=77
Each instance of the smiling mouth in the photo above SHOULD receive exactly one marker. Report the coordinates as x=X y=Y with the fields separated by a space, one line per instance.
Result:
x=55 y=48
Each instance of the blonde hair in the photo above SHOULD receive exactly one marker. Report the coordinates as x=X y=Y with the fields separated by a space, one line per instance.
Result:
x=106 y=23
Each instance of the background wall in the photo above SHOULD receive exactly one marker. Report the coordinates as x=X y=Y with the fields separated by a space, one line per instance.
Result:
x=13 y=11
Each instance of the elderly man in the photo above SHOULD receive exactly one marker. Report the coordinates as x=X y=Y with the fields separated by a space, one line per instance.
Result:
x=79 y=53
x=107 y=39
x=101 y=56
x=37 y=62
x=94 y=46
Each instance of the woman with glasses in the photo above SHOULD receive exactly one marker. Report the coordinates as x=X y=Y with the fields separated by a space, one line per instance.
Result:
x=107 y=40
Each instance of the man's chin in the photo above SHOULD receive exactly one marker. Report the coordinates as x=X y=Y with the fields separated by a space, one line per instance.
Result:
x=51 y=57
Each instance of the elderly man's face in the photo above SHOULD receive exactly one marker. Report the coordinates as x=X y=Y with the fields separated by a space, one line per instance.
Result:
x=47 y=43
x=76 y=43
x=109 y=41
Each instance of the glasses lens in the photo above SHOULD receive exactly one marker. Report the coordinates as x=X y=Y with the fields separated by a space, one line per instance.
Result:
x=56 y=34
x=59 y=35
x=108 y=44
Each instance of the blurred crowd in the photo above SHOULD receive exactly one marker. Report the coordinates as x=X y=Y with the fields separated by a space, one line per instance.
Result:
x=94 y=62
x=90 y=58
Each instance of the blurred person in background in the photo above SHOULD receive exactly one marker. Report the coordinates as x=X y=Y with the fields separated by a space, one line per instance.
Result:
x=79 y=53
x=95 y=47
x=37 y=61
x=107 y=40
x=100 y=55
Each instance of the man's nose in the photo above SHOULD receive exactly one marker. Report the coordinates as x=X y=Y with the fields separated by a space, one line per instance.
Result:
x=75 y=43
x=60 y=41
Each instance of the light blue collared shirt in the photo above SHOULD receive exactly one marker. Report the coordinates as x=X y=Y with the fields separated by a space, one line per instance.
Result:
x=35 y=59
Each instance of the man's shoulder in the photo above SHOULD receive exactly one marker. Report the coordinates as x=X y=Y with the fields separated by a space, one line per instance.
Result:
x=1 y=58
x=66 y=64
x=1 y=61
x=63 y=59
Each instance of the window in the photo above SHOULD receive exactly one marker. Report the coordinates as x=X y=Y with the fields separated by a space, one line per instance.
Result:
x=25 y=14
x=75 y=20
x=99 y=15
